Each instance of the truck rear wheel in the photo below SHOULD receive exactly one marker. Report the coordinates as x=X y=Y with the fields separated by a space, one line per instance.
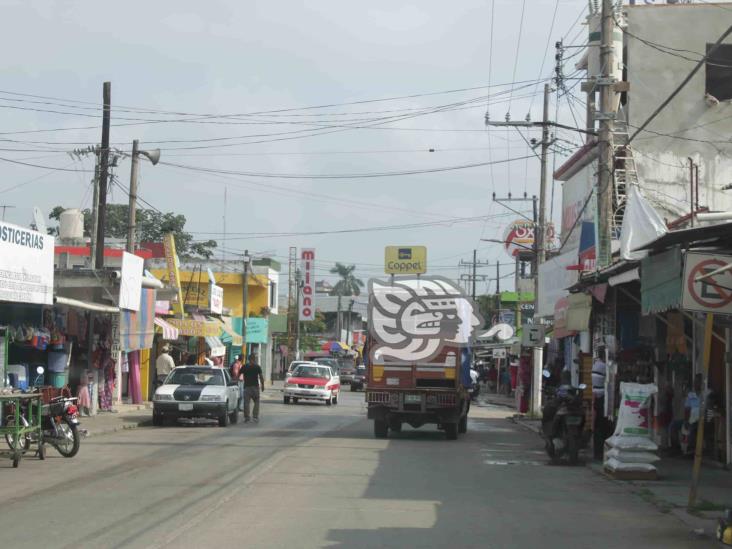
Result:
x=451 y=430
x=381 y=428
x=463 y=425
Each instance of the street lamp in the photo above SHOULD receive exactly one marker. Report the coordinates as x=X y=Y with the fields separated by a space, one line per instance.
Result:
x=154 y=157
x=245 y=303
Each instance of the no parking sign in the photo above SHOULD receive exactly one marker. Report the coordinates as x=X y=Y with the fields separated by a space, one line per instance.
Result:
x=712 y=294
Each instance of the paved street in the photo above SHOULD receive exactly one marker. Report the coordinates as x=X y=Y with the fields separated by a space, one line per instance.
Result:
x=312 y=476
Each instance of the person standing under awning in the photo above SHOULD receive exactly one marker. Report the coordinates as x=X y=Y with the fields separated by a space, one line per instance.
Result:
x=164 y=364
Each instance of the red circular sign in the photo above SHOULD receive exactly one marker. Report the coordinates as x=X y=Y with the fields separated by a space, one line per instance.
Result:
x=724 y=295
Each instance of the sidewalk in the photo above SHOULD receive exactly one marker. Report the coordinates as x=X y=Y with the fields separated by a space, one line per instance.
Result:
x=127 y=416
x=670 y=493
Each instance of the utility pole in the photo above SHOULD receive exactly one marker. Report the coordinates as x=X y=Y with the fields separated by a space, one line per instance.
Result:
x=475 y=259
x=95 y=214
x=541 y=229
x=245 y=304
x=297 y=315
x=338 y=319
x=103 y=176
x=606 y=83
x=5 y=207
x=348 y=321
x=132 y=212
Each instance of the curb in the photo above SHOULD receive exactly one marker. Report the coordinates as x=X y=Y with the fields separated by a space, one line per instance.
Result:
x=123 y=426
x=518 y=421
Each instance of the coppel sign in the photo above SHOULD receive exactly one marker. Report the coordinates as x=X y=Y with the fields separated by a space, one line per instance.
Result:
x=405 y=260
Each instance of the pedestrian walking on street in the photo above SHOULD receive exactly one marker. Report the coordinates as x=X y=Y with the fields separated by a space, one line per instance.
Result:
x=235 y=370
x=251 y=373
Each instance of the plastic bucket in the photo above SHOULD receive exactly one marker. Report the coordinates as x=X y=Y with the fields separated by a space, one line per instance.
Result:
x=58 y=379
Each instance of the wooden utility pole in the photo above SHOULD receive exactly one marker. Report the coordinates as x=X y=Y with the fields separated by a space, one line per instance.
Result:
x=606 y=116
x=103 y=176
x=132 y=213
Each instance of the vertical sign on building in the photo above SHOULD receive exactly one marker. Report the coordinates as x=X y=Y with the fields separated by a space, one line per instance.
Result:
x=307 y=299
x=171 y=260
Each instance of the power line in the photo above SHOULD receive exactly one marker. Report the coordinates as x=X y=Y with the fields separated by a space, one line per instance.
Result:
x=343 y=175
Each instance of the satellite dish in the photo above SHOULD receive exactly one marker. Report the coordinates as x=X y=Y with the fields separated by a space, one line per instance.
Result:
x=39 y=219
x=502 y=332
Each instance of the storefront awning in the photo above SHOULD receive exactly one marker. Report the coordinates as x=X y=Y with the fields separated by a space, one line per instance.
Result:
x=196 y=328
x=169 y=331
x=216 y=346
x=229 y=332
x=661 y=281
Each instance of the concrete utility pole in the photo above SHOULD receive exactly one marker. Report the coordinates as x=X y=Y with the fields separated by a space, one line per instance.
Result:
x=103 y=176
x=95 y=214
x=245 y=304
x=606 y=116
x=297 y=315
x=132 y=212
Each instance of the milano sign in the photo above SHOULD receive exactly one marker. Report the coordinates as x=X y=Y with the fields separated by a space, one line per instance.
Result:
x=307 y=298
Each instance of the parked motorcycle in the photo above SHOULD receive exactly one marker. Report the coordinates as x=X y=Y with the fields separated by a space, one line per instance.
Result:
x=59 y=422
x=562 y=422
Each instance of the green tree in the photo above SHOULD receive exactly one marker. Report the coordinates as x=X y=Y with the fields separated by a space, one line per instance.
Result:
x=311 y=332
x=349 y=284
x=151 y=226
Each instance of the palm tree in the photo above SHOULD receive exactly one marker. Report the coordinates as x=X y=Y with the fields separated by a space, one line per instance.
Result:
x=348 y=284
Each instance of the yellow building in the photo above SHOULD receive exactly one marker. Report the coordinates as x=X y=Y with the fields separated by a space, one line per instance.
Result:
x=263 y=283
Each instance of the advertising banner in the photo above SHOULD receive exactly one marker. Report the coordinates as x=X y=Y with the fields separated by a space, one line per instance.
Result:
x=307 y=299
x=26 y=265
x=195 y=328
x=519 y=237
x=171 y=260
x=216 y=299
x=131 y=282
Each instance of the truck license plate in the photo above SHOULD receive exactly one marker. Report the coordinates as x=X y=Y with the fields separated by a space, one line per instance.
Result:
x=185 y=406
x=412 y=399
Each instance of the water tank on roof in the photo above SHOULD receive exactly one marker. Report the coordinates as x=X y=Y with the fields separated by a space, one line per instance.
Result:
x=71 y=224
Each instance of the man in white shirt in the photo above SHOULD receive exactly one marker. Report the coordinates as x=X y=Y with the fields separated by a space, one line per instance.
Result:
x=164 y=364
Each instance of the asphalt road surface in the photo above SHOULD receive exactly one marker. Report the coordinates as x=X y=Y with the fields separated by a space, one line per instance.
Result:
x=313 y=476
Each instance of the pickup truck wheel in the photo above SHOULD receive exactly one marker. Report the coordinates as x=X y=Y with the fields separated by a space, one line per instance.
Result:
x=353 y=388
x=294 y=400
x=396 y=426
x=329 y=401
x=335 y=399
x=463 y=425
x=234 y=416
x=381 y=428
x=451 y=431
x=286 y=400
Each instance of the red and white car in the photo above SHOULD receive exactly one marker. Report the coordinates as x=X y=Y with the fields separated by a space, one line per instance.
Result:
x=312 y=382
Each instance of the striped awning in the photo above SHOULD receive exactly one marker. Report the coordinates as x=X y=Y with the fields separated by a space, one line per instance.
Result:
x=169 y=331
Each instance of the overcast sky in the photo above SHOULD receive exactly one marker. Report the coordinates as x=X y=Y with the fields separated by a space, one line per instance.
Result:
x=178 y=60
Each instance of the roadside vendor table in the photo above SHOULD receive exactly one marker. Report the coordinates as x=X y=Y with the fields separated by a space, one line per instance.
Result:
x=18 y=430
